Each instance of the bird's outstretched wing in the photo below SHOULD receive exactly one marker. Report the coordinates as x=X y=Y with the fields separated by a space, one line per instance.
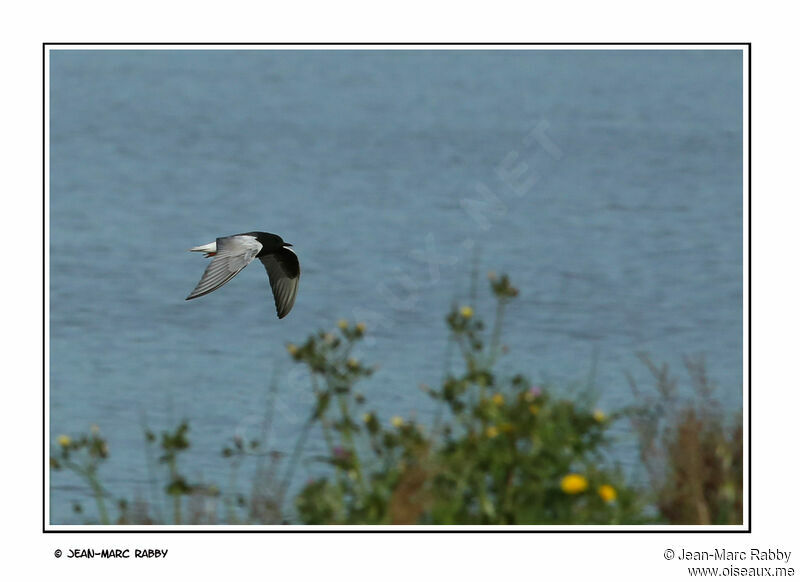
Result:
x=283 y=269
x=233 y=254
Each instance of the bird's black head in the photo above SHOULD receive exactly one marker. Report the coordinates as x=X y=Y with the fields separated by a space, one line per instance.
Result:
x=270 y=242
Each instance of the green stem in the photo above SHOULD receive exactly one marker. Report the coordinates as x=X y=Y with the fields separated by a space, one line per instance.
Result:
x=298 y=448
x=473 y=288
x=348 y=437
x=448 y=356
x=155 y=500
x=176 y=498
x=229 y=505
x=98 y=496
x=498 y=325
x=89 y=474
x=266 y=426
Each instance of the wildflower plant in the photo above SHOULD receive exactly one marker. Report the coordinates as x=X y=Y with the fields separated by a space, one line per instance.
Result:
x=173 y=444
x=502 y=452
x=83 y=455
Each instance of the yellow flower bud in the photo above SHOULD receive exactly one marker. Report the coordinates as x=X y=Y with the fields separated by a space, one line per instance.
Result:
x=64 y=440
x=466 y=312
x=607 y=493
x=397 y=421
x=574 y=483
x=342 y=324
x=492 y=431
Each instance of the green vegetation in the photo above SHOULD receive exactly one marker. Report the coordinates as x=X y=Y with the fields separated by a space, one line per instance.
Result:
x=500 y=450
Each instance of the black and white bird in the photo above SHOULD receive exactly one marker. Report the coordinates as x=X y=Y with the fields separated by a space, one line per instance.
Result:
x=233 y=253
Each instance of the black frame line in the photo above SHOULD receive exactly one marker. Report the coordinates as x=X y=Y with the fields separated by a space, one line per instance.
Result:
x=411 y=529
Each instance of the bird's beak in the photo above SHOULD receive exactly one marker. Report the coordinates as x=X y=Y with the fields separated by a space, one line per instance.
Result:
x=287 y=244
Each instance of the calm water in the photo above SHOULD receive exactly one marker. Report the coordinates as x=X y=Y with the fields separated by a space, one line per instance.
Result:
x=607 y=184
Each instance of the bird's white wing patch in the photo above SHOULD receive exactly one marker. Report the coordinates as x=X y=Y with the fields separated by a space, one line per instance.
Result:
x=234 y=253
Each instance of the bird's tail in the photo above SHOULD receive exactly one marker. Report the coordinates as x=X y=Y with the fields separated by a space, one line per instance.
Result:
x=210 y=249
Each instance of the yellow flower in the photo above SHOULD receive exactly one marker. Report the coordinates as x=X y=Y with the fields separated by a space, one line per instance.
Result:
x=534 y=409
x=64 y=440
x=366 y=417
x=498 y=399
x=466 y=312
x=361 y=327
x=342 y=324
x=607 y=493
x=352 y=363
x=291 y=348
x=492 y=432
x=599 y=415
x=397 y=421
x=574 y=483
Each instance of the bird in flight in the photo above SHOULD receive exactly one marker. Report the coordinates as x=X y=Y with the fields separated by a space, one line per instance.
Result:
x=233 y=253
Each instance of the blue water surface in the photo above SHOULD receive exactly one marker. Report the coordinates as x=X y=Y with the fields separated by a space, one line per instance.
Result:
x=607 y=184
